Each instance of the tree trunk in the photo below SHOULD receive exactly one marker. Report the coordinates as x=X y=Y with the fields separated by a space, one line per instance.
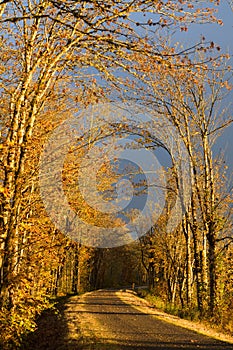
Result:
x=212 y=272
x=188 y=265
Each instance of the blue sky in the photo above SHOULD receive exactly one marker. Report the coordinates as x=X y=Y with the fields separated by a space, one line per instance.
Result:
x=222 y=35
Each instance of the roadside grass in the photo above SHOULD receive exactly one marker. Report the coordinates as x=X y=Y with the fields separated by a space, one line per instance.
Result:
x=64 y=327
x=191 y=314
x=212 y=326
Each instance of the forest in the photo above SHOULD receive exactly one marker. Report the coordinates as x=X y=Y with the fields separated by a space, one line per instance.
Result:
x=107 y=172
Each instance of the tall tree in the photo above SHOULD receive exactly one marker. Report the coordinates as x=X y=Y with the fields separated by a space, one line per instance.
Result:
x=46 y=48
x=190 y=99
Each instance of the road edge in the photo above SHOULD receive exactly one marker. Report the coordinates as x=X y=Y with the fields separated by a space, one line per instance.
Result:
x=145 y=307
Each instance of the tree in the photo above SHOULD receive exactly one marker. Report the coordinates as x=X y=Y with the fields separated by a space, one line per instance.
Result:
x=190 y=100
x=46 y=48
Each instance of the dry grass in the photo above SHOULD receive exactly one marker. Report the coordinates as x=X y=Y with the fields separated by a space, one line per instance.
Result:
x=143 y=305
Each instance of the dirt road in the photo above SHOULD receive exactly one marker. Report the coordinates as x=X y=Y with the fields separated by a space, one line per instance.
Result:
x=114 y=320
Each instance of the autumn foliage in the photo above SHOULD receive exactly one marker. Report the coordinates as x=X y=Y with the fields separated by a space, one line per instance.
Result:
x=58 y=57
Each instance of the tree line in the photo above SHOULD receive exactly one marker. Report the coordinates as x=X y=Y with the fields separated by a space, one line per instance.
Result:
x=57 y=57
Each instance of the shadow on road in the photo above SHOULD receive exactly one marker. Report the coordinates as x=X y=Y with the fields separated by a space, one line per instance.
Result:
x=53 y=332
x=149 y=346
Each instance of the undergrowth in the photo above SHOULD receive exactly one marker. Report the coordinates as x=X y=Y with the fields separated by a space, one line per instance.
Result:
x=219 y=322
